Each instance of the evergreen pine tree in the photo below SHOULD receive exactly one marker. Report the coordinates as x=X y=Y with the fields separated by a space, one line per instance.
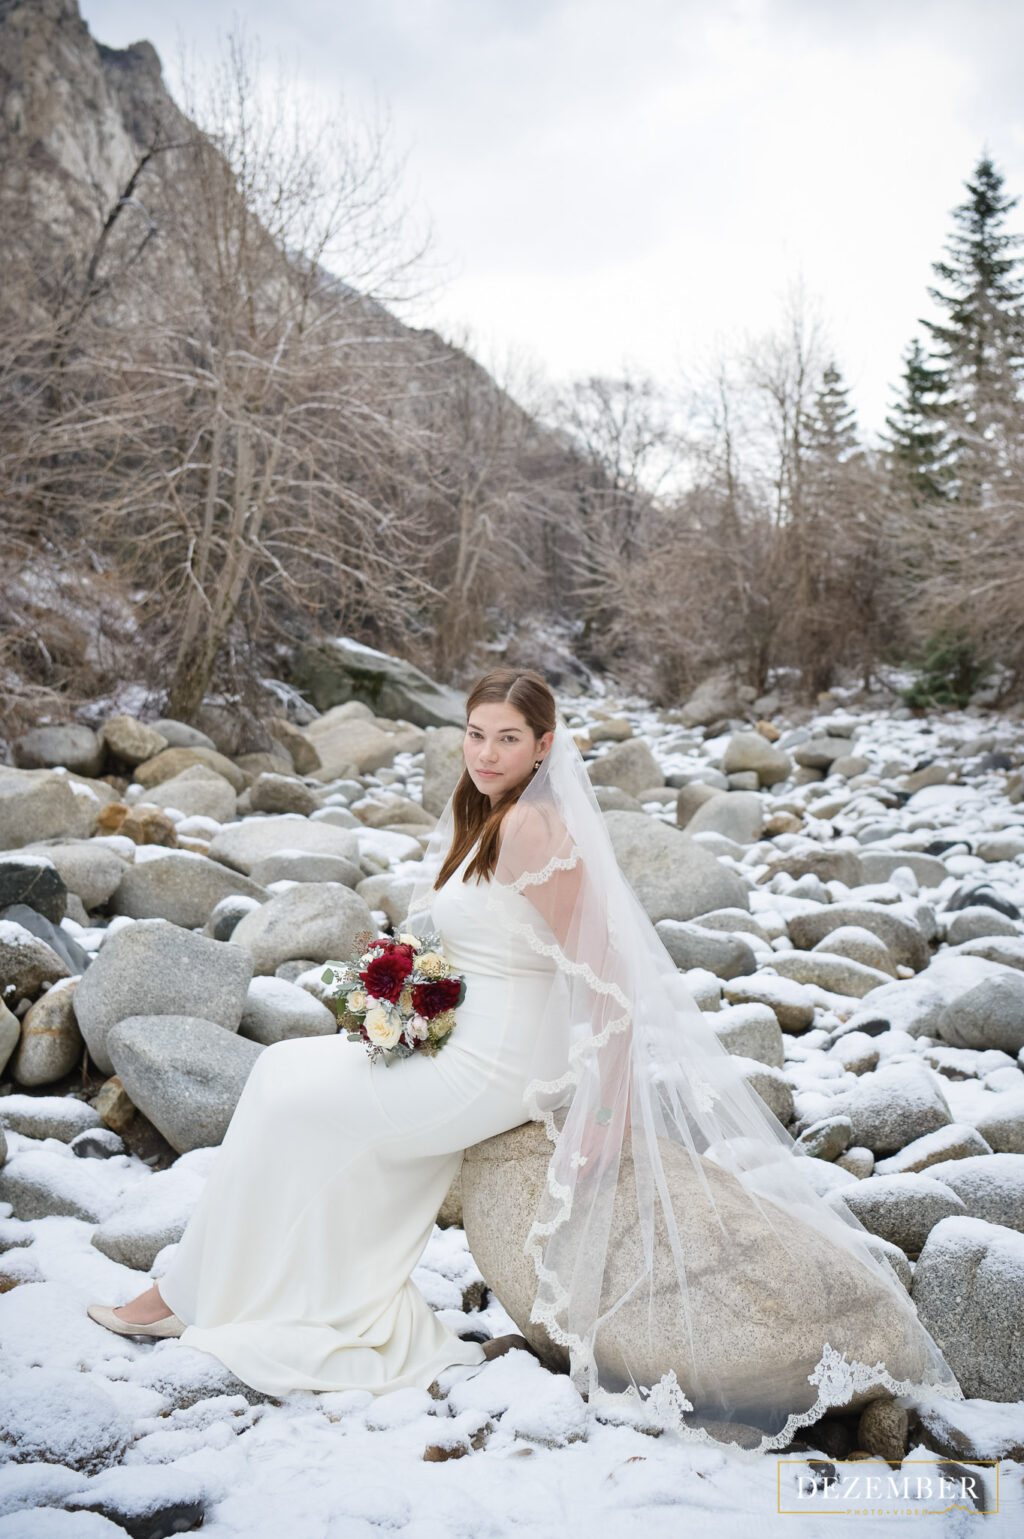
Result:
x=916 y=441
x=831 y=425
x=979 y=347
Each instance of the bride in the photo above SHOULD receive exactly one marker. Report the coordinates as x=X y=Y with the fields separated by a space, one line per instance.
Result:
x=682 y=1266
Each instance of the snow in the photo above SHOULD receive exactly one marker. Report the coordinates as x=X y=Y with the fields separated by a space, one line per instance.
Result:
x=532 y=1460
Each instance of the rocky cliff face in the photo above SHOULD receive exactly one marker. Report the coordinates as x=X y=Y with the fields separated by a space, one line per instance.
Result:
x=74 y=119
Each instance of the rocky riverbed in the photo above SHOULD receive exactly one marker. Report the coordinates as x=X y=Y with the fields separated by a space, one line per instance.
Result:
x=844 y=897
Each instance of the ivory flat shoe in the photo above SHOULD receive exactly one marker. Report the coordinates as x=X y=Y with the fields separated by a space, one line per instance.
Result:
x=104 y=1314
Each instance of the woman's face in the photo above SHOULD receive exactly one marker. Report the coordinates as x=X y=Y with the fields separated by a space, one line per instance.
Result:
x=500 y=748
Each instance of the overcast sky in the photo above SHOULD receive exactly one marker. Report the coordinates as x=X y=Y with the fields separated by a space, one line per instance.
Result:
x=635 y=182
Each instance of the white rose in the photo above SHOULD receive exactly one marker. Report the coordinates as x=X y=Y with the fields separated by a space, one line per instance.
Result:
x=357 y=1000
x=380 y=1028
x=411 y=940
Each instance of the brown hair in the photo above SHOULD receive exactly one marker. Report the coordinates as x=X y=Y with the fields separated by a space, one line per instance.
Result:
x=475 y=818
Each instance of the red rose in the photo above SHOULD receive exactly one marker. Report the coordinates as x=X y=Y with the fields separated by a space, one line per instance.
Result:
x=385 y=976
x=430 y=999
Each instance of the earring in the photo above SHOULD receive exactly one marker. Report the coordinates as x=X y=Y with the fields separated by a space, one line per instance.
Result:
x=536 y=764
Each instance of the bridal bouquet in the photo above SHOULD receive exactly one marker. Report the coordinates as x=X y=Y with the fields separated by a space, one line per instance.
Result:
x=397 y=996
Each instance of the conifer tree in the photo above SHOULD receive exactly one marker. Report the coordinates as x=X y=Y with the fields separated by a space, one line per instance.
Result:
x=831 y=426
x=979 y=347
x=916 y=440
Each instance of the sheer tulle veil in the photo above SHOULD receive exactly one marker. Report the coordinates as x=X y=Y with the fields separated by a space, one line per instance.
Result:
x=688 y=1272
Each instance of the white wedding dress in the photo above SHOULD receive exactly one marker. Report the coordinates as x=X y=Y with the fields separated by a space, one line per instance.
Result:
x=295 y=1267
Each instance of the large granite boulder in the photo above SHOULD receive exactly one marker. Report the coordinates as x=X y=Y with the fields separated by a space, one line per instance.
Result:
x=631 y=766
x=181 y=886
x=753 y=751
x=34 y=880
x=314 y=920
x=88 y=867
x=671 y=874
x=989 y=1015
x=132 y=741
x=172 y=761
x=74 y=747
x=242 y=845
x=903 y=939
x=969 y=1290
x=185 y=1073
x=40 y=806
x=765 y=1301
x=333 y=672
x=155 y=968
x=739 y=815
x=443 y=764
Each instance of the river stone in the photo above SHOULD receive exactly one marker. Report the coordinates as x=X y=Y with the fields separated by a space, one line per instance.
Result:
x=894 y=1105
x=313 y=919
x=689 y=800
x=183 y=1072
x=275 y=1009
x=956 y=1141
x=35 y=881
x=74 y=747
x=903 y=940
x=51 y=1043
x=306 y=866
x=347 y=743
x=388 y=893
x=48 y=1116
x=281 y=793
x=331 y=673
x=241 y=845
x=752 y=751
x=181 y=886
x=879 y=865
x=739 y=815
x=820 y=752
x=631 y=766
x=180 y=734
x=813 y=860
x=154 y=968
x=132 y=741
x=778 y=1294
x=154 y=1214
x=989 y=1015
x=75 y=957
x=727 y=956
x=443 y=765
x=198 y=792
x=977 y=921
x=39 y=806
x=10 y=1034
x=838 y=974
x=860 y=945
x=902 y=1209
x=828 y=1138
x=969 y=1290
x=171 y=761
x=1003 y=950
x=88 y=867
x=672 y=876
x=27 y=964
x=1001 y=1123
x=39 y=1185
x=792 y=1003
x=991 y=1186
x=752 y=1031
x=770 y=1083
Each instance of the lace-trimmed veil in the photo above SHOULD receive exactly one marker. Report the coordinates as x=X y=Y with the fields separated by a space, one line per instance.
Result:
x=687 y=1269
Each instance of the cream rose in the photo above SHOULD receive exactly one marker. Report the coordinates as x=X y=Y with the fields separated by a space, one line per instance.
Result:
x=380 y=1028
x=432 y=964
x=357 y=1000
x=411 y=940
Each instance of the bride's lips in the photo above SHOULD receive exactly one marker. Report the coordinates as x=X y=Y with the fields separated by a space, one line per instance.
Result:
x=490 y=774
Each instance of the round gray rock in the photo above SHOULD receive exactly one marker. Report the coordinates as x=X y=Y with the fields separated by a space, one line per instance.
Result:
x=725 y=955
x=155 y=968
x=185 y=1073
x=313 y=919
x=989 y=1015
x=51 y=1042
x=969 y=1290
x=275 y=1010
x=181 y=886
x=672 y=876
